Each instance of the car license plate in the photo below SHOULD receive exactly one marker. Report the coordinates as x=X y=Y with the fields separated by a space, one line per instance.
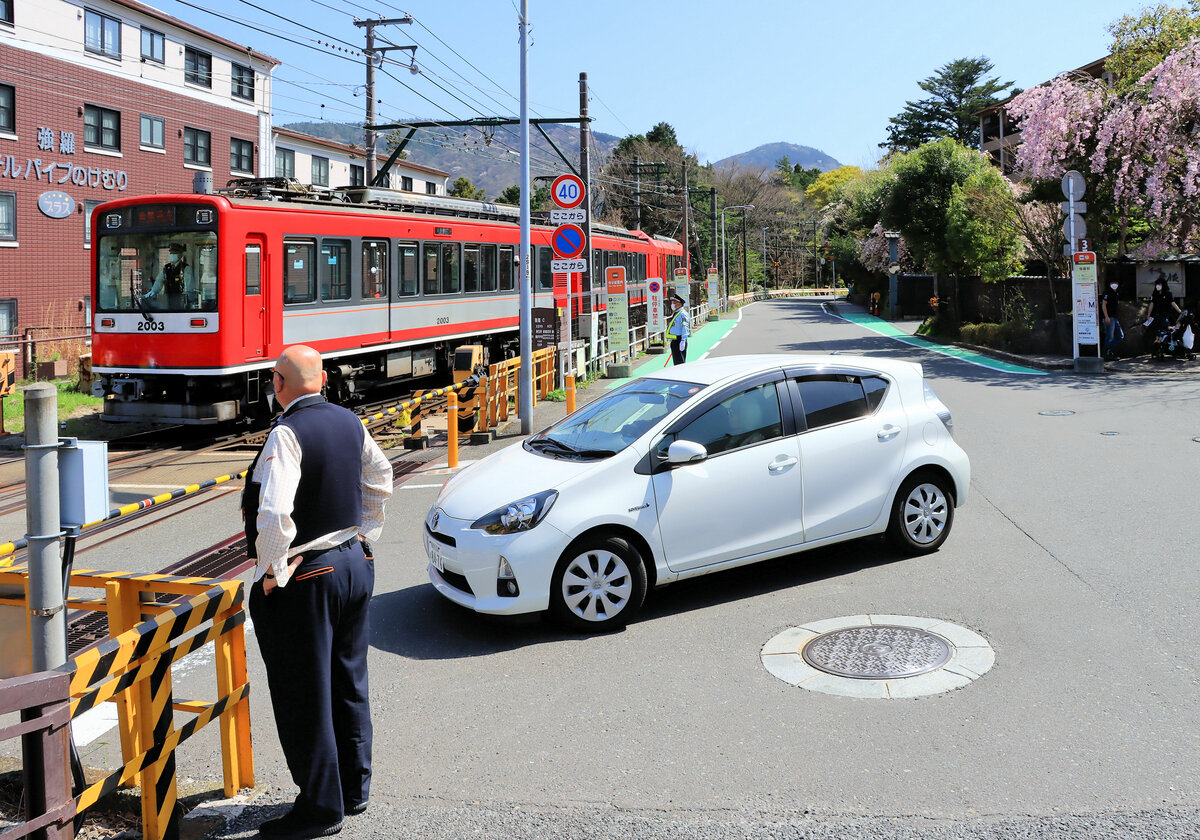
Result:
x=435 y=554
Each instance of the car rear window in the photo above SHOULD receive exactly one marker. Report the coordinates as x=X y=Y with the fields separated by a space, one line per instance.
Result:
x=833 y=398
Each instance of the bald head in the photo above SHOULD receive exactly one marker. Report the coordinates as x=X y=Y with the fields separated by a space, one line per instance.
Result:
x=301 y=373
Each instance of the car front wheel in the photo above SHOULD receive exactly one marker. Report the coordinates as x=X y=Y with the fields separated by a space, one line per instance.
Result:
x=921 y=515
x=598 y=585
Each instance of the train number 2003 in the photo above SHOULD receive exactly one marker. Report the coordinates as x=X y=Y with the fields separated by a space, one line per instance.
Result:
x=444 y=319
x=151 y=326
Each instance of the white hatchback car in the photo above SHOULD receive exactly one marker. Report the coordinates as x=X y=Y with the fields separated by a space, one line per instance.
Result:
x=694 y=469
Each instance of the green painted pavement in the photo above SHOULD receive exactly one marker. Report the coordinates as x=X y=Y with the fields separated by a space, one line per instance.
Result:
x=882 y=327
x=700 y=343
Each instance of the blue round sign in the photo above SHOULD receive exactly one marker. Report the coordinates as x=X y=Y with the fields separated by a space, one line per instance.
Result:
x=654 y=286
x=56 y=204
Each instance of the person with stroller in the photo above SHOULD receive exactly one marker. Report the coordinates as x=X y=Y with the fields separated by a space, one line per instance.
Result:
x=1160 y=317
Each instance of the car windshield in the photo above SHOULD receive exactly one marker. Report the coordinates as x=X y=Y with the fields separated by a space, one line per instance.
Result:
x=156 y=271
x=606 y=426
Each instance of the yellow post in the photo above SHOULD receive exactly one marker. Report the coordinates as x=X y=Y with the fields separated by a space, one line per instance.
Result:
x=236 y=752
x=124 y=611
x=452 y=429
x=570 y=383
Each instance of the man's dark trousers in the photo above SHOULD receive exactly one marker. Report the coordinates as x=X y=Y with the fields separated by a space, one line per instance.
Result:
x=313 y=635
x=677 y=354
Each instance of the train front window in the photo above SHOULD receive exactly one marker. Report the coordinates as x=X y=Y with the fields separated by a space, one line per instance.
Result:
x=163 y=272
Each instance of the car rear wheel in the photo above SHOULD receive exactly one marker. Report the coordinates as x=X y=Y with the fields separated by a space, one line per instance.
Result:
x=921 y=515
x=598 y=585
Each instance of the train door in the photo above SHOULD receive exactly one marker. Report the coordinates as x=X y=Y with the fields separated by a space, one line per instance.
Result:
x=254 y=308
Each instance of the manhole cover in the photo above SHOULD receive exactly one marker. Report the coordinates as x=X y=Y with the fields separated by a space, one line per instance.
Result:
x=877 y=652
x=1057 y=412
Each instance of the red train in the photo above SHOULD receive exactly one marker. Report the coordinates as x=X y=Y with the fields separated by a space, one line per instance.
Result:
x=197 y=294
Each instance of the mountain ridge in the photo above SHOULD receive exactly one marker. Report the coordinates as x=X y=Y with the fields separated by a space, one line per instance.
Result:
x=766 y=156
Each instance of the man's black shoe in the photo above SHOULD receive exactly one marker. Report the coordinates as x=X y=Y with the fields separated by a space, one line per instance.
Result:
x=294 y=826
x=357 y=808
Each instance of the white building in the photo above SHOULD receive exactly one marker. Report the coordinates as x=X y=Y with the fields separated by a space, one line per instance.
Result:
x=328 y=163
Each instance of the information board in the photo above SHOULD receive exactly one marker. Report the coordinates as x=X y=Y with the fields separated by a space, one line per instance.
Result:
x=1086 y=313
x=618 y=310
x=544 y=327
x=714 y=289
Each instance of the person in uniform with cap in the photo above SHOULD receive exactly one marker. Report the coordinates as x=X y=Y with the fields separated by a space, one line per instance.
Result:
x=678 y=330
x=316 y=493
x=175 y=279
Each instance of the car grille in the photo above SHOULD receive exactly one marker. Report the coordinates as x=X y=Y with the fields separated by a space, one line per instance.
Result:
x=457 y=581
x=442 y=538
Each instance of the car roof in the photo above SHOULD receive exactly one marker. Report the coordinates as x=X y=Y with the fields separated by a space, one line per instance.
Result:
x=718 y=369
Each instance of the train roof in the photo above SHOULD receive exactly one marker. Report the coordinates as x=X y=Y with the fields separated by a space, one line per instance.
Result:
x=260 y=192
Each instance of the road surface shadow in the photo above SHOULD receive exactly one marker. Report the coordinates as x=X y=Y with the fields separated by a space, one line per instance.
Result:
x=417 y=623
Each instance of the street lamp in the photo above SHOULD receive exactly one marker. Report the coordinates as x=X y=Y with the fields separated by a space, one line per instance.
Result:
x=724 y=280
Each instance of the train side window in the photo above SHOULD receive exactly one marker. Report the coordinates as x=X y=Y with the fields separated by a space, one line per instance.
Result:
x=641 y=268
x=507 y=267
x=431 y=268
x=299 y=273
x=408 y=266
x=335 y=270
x=450 y=268
x=470 y=263
x=487 y=268
x=253 y=269
x=545 y=278
x=374 y=269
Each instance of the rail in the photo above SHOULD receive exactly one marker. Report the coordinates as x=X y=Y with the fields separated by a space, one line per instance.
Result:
x=496 y=407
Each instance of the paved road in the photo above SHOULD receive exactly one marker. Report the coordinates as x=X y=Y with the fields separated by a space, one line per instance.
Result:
x=1074 y=558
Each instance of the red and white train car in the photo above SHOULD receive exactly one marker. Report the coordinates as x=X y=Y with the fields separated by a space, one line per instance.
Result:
x=196 y=295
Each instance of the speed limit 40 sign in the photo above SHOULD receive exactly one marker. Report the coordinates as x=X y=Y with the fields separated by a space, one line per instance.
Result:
x=567 y=191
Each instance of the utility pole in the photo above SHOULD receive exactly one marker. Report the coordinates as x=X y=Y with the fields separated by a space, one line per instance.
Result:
x=687 y=251
x=712 y=215
x=764 y=260
x=745 y=260
x=525 y=389
x=370 y=52
x=637 y=195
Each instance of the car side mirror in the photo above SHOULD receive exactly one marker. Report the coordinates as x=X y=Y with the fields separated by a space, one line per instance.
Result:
x=685 y=452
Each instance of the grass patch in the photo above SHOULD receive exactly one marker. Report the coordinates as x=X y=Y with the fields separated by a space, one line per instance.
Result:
x=73 y=406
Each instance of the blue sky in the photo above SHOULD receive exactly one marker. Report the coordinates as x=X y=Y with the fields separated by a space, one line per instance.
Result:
x=729 y=76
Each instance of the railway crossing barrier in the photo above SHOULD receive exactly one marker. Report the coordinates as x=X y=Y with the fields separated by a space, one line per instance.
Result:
x=132 y=667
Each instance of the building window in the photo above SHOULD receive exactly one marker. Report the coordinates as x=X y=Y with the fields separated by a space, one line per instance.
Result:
x=406 y=183
x=154 y=46
x=6 y=11
x=197 y=147
x=8 y=215
x=320 y=171
x=197 y=67
x=153 y=132
x=285 y=163
x=430 y=188
x=358 y=176
x=89 y=204
x=8 y=316
x=8 y=104
x=101 y=34
x=243 y=82
x=101 y=128
x=241 y=155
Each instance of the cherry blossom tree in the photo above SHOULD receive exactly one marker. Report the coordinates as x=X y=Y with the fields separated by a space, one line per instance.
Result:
x=1144 y=145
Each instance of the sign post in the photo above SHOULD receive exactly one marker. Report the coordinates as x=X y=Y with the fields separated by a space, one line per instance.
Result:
x=1085 y=320
x=570 y=245
x=655 y=320
x=682 y=287
x=714 y=291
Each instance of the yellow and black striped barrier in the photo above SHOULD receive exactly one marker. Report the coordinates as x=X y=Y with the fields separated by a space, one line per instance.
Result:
x=133 y=667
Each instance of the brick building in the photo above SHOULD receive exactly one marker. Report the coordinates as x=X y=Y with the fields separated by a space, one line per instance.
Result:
x=327 y=163
x=105 y=100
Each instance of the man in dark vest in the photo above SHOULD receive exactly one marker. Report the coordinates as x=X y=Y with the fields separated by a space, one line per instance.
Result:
x=175 y=280
x=315 y=492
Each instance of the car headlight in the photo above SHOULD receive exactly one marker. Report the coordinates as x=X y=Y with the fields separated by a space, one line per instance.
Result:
x=517 y=516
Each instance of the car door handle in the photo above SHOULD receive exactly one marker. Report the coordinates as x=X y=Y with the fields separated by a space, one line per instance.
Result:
x=776 y=466
x=888 y=432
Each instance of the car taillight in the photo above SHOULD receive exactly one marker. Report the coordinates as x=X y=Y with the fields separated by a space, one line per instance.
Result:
x=939 y=408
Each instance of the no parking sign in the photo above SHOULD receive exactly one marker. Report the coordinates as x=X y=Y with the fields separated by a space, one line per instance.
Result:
x=655 y=319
